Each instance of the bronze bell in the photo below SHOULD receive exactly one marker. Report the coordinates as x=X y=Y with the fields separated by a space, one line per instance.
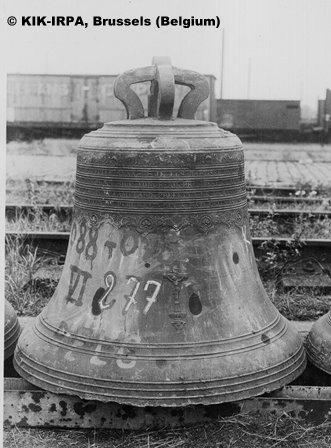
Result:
x=160 y=302
x=12 y=330
x=318 y=343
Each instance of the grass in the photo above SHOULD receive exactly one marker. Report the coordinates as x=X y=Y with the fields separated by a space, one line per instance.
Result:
x=307 y=189
x=39 y=221
x=21 y=264
x=298 y=227
x=296 y=305
x=240 y=431
x=31 y=193
x=302 y=190
x=58 y=195
x=323 y=205
x=303 y=227
x=29 y=297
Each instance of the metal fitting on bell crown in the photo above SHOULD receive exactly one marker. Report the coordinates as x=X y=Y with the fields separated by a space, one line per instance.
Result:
x=163 y=78
x=160 y=302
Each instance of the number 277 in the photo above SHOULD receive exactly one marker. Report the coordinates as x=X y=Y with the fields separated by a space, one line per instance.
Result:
x=150 y=298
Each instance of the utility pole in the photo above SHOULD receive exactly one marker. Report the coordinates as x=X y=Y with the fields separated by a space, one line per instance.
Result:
x=249 y=74
x=222 y=63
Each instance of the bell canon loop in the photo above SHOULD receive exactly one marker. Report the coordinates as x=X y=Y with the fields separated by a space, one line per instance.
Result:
x=160 y=302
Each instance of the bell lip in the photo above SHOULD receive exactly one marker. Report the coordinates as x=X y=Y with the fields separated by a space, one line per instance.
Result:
x=219 y=389
x=170 y=401
x=12 y=330
x=318 y=343
x=10 y=339
x=317 y=363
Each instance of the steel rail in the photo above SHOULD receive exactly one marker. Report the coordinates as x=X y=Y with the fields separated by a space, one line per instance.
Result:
x=15 y=210
x=289 y=199
x=40 y=236
x=257 y=190
x=25 y=405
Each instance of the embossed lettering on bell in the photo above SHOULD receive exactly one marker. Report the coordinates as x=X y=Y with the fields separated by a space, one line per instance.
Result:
x=160 y=302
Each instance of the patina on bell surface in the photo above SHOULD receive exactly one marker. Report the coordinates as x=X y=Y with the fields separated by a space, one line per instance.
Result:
x=318 y=343
x=11 y=331
x=160 y=302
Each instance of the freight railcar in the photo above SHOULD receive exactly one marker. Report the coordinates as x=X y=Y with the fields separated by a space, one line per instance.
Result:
x=324 y=112
x=260 y=119
x=63 y=104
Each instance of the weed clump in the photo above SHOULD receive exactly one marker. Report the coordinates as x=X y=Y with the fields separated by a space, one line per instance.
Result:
x=21 y=264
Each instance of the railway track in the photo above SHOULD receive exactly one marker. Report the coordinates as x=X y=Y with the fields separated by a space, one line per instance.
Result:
x=308 y=263
x=27 y=406
x=59 y=240
x=14 y=211
x=287 y=219
x=283 y=191
x=252 y=190
x=293 y=200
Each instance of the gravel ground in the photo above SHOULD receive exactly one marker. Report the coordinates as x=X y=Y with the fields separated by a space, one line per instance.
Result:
x=266 y=164
x=253 y=151
x=258 y=172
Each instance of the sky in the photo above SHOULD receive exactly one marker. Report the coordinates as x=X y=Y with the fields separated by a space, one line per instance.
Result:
x=273 y=49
